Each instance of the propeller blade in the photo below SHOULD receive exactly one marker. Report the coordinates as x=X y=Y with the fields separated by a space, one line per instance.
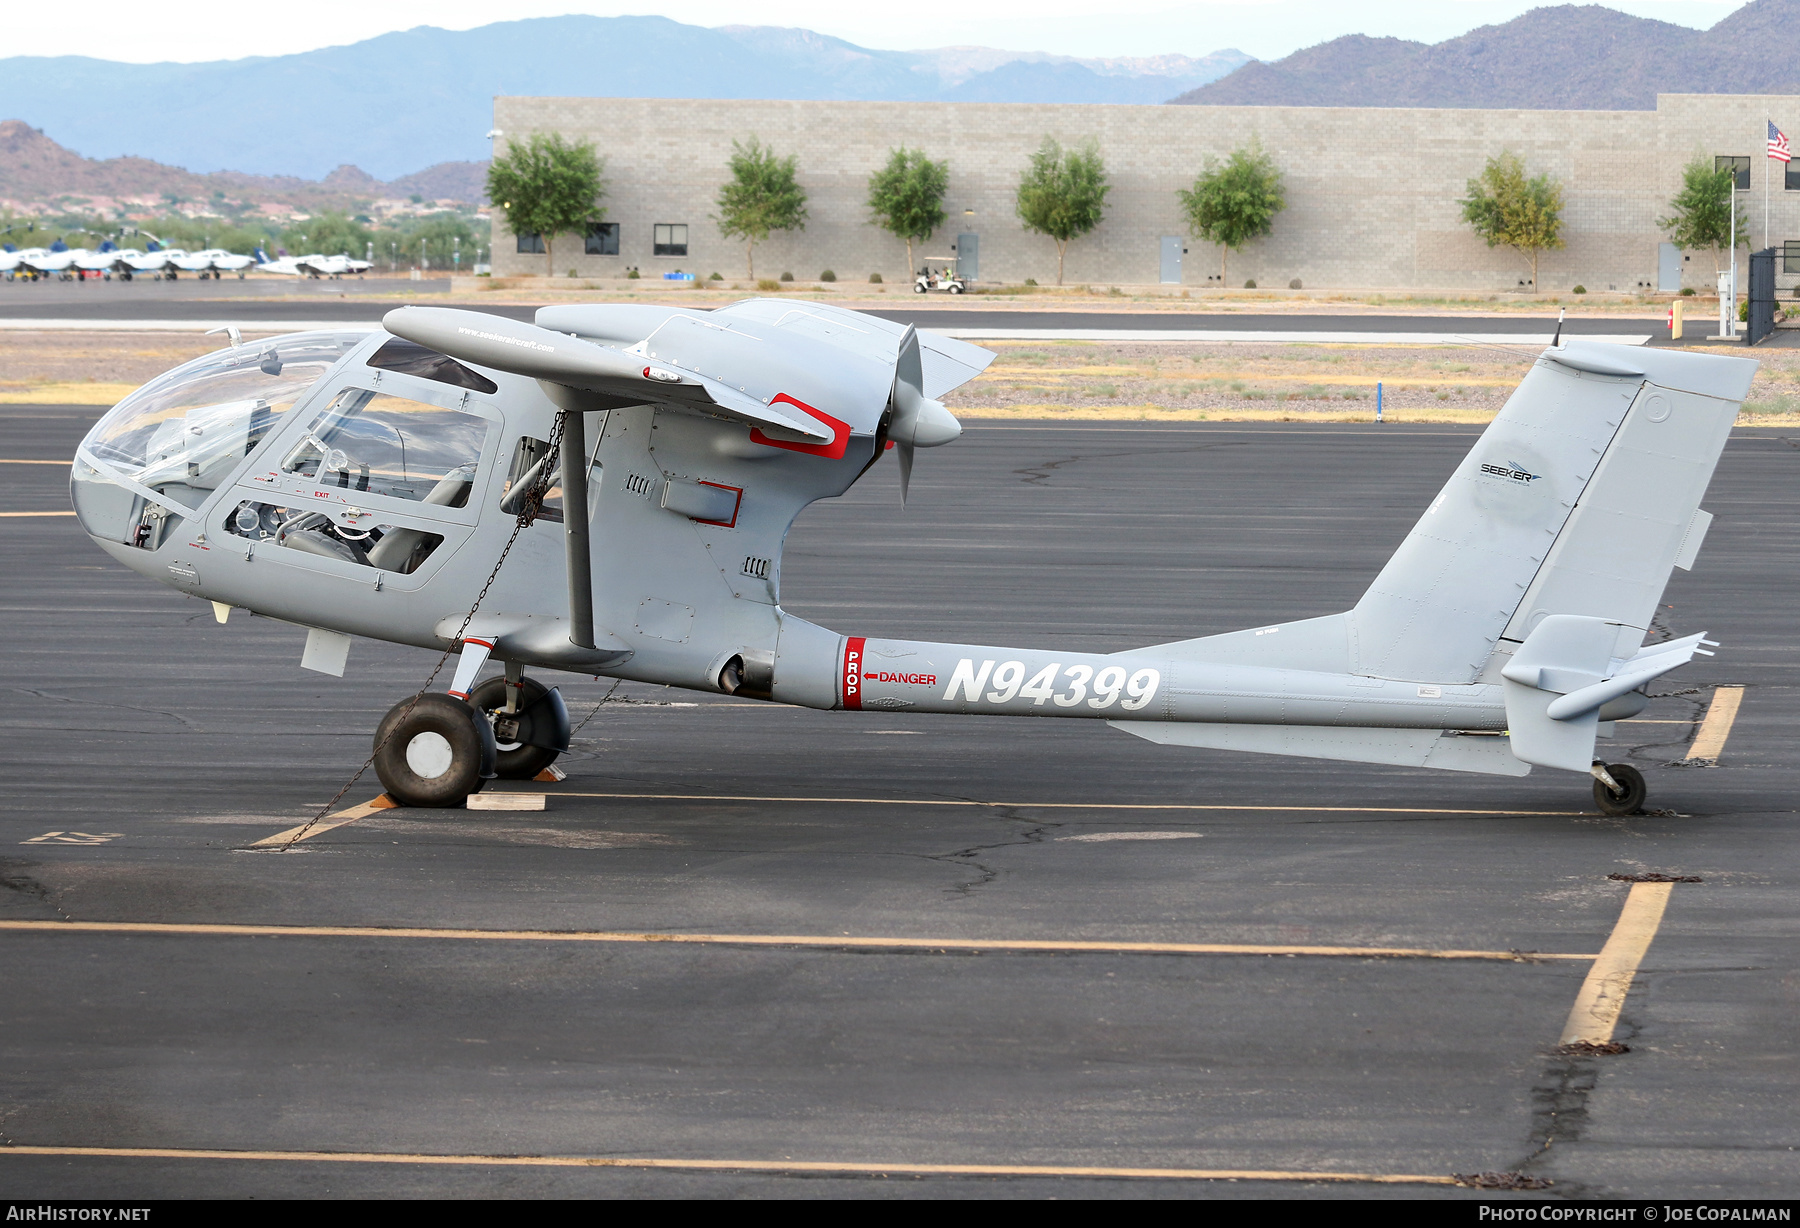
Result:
x=918 y=421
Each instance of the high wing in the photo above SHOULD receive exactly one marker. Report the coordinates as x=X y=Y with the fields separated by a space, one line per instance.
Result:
x=670 y=372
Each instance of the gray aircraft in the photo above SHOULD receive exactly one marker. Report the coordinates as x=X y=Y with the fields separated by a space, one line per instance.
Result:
x=607 y=493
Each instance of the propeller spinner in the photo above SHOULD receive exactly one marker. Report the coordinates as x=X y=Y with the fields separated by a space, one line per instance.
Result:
x=918 y=421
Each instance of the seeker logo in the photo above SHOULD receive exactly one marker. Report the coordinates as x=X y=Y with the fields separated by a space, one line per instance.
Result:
x=1511 y=472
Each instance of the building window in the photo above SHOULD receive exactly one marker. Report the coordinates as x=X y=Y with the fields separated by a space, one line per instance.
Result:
x=1790 y=256
x=1740 y=167
x=531 y=244
x=1792 y=177
x=669 y=240
x=602 y=239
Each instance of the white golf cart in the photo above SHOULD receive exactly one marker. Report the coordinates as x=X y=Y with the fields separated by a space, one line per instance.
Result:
x=944 y=279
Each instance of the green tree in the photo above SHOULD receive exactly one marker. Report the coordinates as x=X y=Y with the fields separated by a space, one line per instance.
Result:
x=434 y=239
x=195 y=233
x=1062 y=194
x=761 y=197
x=1700 y=214
x=1507 y=209
x=327 y=234
x=907 y=197
x=548 y=186
x=1234 y=201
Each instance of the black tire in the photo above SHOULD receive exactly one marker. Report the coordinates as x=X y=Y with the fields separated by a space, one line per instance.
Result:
x=518 y=755
x=917 y=288
x=1630 y=798
x=955 y=288
x=436 y=754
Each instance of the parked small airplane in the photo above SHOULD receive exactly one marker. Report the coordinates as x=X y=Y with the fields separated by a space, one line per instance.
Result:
x=156 y=259
x=213 y=261
x=370 y=483
x=54 y=261
x=103 y=261
x=16 y=262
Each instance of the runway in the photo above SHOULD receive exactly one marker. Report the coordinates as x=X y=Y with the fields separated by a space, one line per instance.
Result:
x=353 y=303
x=750 y=950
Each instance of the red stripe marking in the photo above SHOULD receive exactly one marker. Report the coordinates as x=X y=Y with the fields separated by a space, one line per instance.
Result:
x=852 y=673
x=840 y=432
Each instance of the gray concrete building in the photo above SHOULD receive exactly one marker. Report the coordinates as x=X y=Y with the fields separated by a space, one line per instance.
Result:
x=1372 y=192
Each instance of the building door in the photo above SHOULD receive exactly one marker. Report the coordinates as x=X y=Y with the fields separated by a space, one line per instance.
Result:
x=1668 y=268
x=1171 y=260
x=968 y=256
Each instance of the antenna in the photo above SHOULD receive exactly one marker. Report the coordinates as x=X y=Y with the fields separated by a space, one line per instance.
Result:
x=1556 y=341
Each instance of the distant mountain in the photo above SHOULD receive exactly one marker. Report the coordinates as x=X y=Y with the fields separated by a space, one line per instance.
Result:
x=400 y=101
x=38 y=174
x=1569 y=57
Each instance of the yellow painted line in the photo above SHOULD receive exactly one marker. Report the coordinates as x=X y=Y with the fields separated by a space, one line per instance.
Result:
x=1602 y=996
x=37 y=513
x=863 y=1167
x=325 y=824
x=829 y=941
x=1720 y=714
x=908 y=801
x=1057 y=375
x=7 y=460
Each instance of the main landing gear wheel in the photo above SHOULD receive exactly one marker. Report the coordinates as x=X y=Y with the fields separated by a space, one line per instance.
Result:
x=436 y=754
x=533 y=736
x=1628 y=798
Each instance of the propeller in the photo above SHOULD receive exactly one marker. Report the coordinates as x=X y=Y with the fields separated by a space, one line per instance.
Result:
x=918 y=421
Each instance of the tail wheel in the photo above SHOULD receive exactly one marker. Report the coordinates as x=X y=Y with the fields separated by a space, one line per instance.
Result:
x=1630 y=797
x=433 y=750
x=539 y=717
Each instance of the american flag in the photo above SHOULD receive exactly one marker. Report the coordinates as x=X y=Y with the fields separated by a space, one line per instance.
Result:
x=1778 y=146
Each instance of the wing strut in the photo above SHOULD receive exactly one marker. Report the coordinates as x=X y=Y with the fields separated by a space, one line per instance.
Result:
x=571 y=405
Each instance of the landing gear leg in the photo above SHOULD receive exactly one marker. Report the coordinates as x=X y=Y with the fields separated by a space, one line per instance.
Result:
x=529 y=720
x=1618 y=788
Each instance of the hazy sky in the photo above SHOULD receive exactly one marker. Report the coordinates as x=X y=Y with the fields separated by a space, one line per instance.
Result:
x=227 y=29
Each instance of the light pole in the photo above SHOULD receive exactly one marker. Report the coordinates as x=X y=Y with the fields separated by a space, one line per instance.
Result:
x=456 y=253
x=1728 y=300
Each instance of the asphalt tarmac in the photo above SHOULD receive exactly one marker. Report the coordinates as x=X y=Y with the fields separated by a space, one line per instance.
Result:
x=149 y=747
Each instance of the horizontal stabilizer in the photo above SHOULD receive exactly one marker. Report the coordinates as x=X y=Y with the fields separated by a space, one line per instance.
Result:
x=1433 y=748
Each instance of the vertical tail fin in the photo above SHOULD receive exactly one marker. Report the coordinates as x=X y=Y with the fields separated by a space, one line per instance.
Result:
x=1578 y=499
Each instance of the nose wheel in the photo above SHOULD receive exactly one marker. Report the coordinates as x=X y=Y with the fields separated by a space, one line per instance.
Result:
x=533 y=735
x=433 y=750
x=1619 y=788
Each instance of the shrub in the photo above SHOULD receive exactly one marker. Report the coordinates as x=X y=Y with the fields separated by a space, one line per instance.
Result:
x=1031 y=281
x=1251 y=284
x=715 y=277
x=1687 y=292
x=874 y=279
x=787 y=277
x=572 y=273
x=1579 y=290
x=1295 y=284
x=827 y=275
x=631 y=274
x=766 y=285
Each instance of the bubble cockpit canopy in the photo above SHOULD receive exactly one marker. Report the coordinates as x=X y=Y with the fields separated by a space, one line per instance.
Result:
x=185 y=432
